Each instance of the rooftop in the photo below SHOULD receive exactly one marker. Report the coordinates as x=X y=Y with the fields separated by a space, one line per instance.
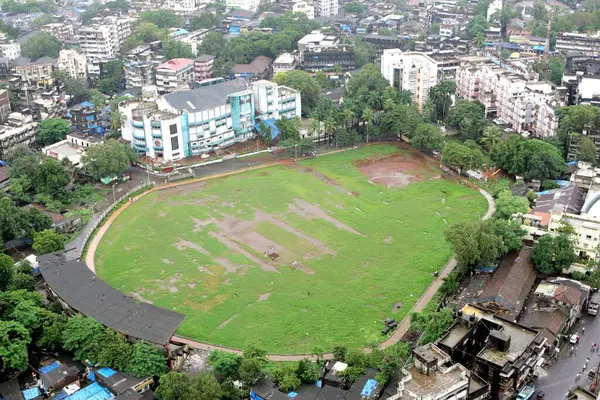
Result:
x=567 y=199
x=206 y=97
x=204 y=58
x=176 y=64
x=83 y=291
x=256 y=66
x=421 y=385
x=117 y=382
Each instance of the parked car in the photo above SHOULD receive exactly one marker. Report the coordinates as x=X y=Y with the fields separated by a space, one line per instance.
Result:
x=574 y=339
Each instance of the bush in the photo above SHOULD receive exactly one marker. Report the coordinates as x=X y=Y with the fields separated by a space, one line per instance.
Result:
x=549 y=184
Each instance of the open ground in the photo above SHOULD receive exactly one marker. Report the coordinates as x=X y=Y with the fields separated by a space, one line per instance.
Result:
x=299 y=256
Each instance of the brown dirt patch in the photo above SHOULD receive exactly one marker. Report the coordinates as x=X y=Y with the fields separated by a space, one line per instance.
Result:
x=311 y=211
x=388 y=240
x=234 y=246
x=398 y=170
x=302 y=267
x=186 y=244
x=397 y=306
x=264 y=296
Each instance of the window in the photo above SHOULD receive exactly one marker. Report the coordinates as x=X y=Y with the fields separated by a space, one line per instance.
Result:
x=174 y=143
x=173 y=129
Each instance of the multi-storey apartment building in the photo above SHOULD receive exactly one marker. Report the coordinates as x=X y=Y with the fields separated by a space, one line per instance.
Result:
x=285 y=62
x=183 y=6
x=10 y=50
x=175 y=74
x=102 y=39
x=326 y=8
x=411 y=71
x=19 y=129
x=317 y=57
x=203 y=65
x=73 y=62
x=192 y=122
x=249 y=5
x=37 y=72
x=62 y=31
x=305 y=8
x=468 y=77
x=587 y=44
x=140 y=65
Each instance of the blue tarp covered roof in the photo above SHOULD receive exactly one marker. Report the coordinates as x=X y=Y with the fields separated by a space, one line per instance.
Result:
x=271 y=124
x=31 y=393
x=87 y=104
x=368 y=388
x=50 y=367
x=106 y=372
x=91 y=392
x=540 y=47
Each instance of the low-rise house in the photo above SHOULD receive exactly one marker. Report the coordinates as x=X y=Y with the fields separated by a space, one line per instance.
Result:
x=203 y=64
x=72 y=148
x=285 y=62
x=580 y=393
x=259 y=68
x=121 y=384
x=55 y=375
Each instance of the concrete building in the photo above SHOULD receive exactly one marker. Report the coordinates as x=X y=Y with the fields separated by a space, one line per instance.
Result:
x=588 y=45
x=37 y=72
x=249 y=5
x=326 y=8
x=62 y=31
x=11 y=50
x=72 y=147
x=431 y=376
x=74 y=63
x=182 y=6
x=305 y=8
x=285 y=62
x=5 y=109
x=103 y=39
x=196 y=121
x=259 y=68
x=326 y=58
x=415 y=72
x=193 y=39
x=203 y=65
x=140 y=65
x=19 y=129
x=501 y=352
x=175 y=74
x=317 y=38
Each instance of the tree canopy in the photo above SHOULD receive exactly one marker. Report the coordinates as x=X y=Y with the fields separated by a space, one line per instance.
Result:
x=507 y=204
x=108 y=159
x=48 y=241
x=462 y=157
x=469 y=118
x=587 y=151
x=52 y=130
x=304 y=82
x=552 y=254
x=475 y=243
x=427 y=137
x=41 y=45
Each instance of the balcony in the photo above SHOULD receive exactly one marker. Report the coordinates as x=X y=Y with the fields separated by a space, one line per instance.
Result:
x=140 y=147
x=137 y=124
x=155 y=124
x=157 y=135
x=139 y=136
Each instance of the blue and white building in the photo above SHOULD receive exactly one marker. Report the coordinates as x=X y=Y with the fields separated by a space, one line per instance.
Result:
x=193 y=122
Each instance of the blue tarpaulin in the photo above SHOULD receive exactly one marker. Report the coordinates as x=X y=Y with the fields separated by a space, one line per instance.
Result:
x=87 y=104
x=291 y=395
x=32 y=393
x=61 y=395
x=91 y=392
x=106 y=372
x=572 y=162
x=271 y=124
x=368 y=388
x=539 y=47
x=50 y=367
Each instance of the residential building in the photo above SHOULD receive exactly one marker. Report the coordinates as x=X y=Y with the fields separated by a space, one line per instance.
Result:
x=19 y=129
x=183 y=6
x=72 y=147
x=328 y=58
x=62 y=31
x=102 y=39
x=5 y=109
x=285 y=62
x=415 y=72
x=305 y=8
x=432 y=376
x=203 y=65
x=588 y=45
x=196 y=121
x=193 y=39
x=11 y=50
x=37 y=72
x=317 y=38
x=74 y=63
x=501 y=352
x=383 y=42
x=140 y=65
x=326 y=8
x=249 y=5
x=174 y=75
x=259 y=68
x=580 y=393
x=582 y=89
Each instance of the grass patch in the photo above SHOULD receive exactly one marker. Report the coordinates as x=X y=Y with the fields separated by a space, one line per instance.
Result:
x=201 y=251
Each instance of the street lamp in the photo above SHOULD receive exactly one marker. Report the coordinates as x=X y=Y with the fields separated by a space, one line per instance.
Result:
x=113 y=190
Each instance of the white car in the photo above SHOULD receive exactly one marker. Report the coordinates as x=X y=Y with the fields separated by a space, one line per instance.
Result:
x=574 y=339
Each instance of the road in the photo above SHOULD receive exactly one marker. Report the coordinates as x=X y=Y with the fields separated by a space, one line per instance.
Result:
x=562 y=374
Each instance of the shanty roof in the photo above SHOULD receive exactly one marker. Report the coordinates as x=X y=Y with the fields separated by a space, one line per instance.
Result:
x=83 y=291
x=568 y=199
x=256 y=66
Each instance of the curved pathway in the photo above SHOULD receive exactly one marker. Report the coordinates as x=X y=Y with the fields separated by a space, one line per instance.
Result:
x=395 y=337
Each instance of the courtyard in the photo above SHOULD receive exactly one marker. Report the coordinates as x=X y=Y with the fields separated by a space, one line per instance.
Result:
x=299 y=255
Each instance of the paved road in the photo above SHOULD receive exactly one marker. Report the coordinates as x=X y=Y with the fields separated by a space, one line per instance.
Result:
x=240 y=165
x=562 y=375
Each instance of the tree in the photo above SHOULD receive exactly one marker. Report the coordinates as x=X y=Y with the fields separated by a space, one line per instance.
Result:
x=587 y=151
x=441 y=96
x=308 y=371
x=52 y=130
x=225 y=365
x=161 y=18
x=289 y=382
x=432 y=324
x=573 y=119
x=176 y=49
x=511 y=233
x=41 y=45
x=173 y=386
x=477 y=26
x=14 y=339
x=79 y=336
x=462 y=157
x=401 y=120
x=12 y=220
x=339 y=352
x=108 y=159
x=111 y=349
x=507 y=204
x=48 y=241
x=474 y=243
x=492 y=135
x=205 y=387
x=42 y=20
x=367 y=118
x=367 y=87
x=303 y=82
x=50 y=176
x=22 y=281
x=552 y=254
x=533 y=159
x=427 y=137
x=7 y=271
x=146 y=360
x=354 y=7
x=53 y=326
x=203 y=21
x=468 y=117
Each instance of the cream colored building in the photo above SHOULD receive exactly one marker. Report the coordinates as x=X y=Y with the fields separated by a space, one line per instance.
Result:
x=74 y=63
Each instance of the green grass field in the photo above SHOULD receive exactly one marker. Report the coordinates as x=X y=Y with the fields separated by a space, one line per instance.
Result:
x=343 y=261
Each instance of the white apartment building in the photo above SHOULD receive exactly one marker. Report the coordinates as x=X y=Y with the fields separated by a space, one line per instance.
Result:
x=19 y=129
x=175 y=74
x=285 y=62
x=412 y=71
x=193 y=122
x=73 y=62
x=305 y=8
x=182 y=5
x=102 y=39
x=248 y=5
x=326 y=8
x=12 y=51
x=589 y=45
x=63 y=32
x=524 y=104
